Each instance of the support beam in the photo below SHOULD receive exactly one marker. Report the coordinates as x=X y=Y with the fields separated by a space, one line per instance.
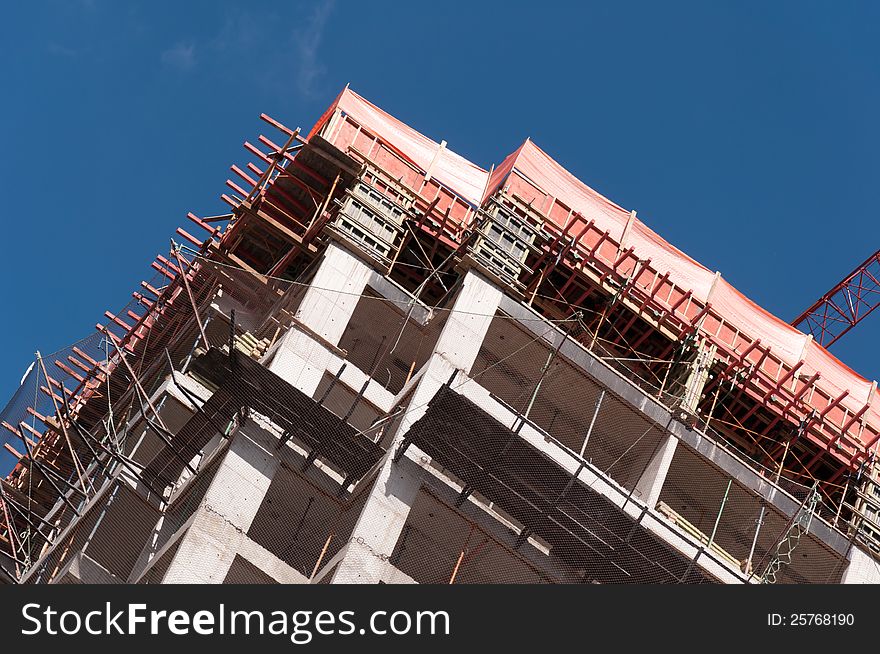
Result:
x=650 y=483
x=385 y=512
x=232 y=500
x=324 y=312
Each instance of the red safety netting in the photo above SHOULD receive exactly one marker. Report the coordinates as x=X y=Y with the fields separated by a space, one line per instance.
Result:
x=784 y=341
x=534 y=176
x=460 y=175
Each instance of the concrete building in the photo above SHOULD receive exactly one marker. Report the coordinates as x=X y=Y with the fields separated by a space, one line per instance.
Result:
x=388 y=365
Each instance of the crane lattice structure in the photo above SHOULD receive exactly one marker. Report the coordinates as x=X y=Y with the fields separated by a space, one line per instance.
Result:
x=845 y=305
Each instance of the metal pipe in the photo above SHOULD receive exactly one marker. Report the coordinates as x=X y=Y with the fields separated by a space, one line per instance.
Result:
x=455 y=569
x=758 y=524
x=592 y=423
x=73 y=456
x=842 y=500
x=720 y=510
x=175 y=251
x=321 y=556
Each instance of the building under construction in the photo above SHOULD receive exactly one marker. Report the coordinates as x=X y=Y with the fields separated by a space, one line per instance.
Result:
x=387 y=364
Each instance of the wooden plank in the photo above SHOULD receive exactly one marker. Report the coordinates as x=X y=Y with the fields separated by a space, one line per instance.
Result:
x=686 y=526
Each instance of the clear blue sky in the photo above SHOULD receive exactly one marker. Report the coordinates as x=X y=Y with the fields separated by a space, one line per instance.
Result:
x=745 y=133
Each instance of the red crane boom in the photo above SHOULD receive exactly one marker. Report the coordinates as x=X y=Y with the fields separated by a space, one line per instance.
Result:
x=845 y=305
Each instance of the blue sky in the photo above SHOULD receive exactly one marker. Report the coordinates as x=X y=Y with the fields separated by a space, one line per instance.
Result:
x=744 y=133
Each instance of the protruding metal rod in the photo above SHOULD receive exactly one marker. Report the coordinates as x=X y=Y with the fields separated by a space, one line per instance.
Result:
x=592 y=423
x=720 y=511
x=175 y=251
x=321 y=556
x=455 y=569
x=74 y=458
x=758 y=523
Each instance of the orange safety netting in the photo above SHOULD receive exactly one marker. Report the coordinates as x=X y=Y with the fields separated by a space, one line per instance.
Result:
x=537 y=178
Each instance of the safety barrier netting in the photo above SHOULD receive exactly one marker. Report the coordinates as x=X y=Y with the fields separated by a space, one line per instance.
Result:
x=255 y=450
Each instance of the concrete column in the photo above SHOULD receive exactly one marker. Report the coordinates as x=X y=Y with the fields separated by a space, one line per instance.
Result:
x=862 y=569
x=385 y=512
x=650 y=484
x=206 y=552
x=325 y=311
x=458 y=345
x=333 y=293
x=379 y=526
